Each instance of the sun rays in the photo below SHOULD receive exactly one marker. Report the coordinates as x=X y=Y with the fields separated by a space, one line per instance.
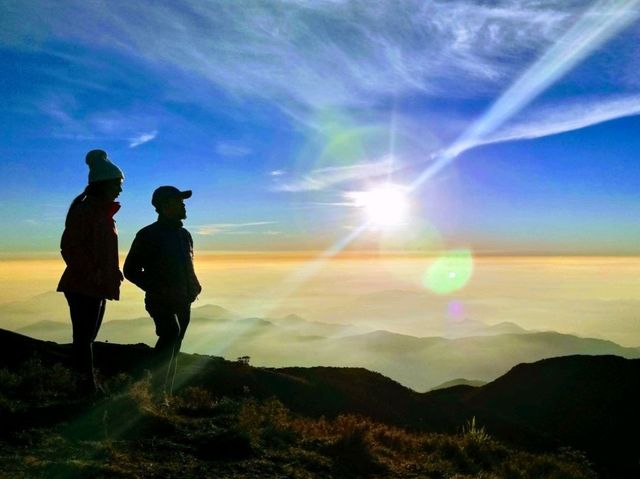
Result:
x=387 y=205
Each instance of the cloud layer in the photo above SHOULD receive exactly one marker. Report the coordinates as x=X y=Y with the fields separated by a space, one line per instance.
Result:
x=316 y=53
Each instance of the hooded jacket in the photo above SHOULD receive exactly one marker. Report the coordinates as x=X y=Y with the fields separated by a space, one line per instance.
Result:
x=160 y=262
x=89 y=247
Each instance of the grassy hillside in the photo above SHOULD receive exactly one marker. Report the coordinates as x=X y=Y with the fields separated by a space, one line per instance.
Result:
x=538 y=409
x=50 y=433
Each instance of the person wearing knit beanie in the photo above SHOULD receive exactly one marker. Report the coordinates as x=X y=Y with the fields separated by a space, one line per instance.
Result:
x=89 y=247
x=101 y=168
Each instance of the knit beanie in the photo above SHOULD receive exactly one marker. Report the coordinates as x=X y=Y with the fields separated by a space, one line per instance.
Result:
x=100 y=168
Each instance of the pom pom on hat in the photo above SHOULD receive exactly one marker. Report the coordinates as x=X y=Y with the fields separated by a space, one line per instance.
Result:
x=101 y=168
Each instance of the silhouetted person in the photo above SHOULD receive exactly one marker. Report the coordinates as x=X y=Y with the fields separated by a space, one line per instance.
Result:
x=160 y=262
x=89 y=247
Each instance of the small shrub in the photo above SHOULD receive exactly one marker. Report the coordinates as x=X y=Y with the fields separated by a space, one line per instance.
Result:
x=473 y=431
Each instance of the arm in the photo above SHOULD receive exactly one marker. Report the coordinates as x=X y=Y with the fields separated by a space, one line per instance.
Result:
x=197 y=288
x=134 y=265
x=75 y=243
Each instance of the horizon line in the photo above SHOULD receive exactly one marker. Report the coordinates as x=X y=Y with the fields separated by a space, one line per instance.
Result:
x=348 y=254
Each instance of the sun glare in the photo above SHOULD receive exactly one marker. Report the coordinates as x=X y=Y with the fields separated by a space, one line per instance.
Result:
x=386 y=206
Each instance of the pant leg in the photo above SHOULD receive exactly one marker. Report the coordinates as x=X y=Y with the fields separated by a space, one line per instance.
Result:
x=183 y=315
x=96 y=329
x=86 y=317
x=168 y=332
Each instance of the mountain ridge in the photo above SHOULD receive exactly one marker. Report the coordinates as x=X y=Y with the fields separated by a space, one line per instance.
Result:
x=275 y=342
x=566 y=401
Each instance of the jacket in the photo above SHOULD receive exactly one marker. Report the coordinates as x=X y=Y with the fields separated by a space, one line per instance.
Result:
x=89 y=247
x=160 y=263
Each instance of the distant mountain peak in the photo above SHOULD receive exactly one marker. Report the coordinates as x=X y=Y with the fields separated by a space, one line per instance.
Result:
x=292 y=318
x=460 y=382
x=213 y=311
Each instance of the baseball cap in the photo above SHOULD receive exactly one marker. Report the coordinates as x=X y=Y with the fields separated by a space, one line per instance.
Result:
x=164 y=193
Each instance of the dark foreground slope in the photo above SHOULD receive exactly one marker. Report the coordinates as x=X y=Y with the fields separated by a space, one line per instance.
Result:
x=582 y=402
x=587 y=402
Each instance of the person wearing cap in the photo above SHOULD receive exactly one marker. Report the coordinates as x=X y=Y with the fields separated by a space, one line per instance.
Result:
x=89 y=247
x=160 y=262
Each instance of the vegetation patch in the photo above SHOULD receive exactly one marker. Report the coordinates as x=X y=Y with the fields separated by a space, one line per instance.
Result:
x=128 y=434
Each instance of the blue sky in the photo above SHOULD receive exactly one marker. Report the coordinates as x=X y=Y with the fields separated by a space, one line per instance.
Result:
x=524 y=114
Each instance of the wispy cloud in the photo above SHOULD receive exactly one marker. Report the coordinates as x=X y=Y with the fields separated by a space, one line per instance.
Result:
x=594 y=27
x=325 y=52
x=59 y=108
x=303 y=55
x=277 y=172
x=567 y=116
x=563 y=116
x=539 y=121
x=253 y=233
x=232 y=150
x=230 y=228
x=142 y=139
x=68 y=118
x=323 y=178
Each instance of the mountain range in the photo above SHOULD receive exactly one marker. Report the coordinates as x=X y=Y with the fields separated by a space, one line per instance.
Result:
x=477 y=352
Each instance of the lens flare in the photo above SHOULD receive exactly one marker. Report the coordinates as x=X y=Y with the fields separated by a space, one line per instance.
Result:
x=455 y=310
x=450 y=272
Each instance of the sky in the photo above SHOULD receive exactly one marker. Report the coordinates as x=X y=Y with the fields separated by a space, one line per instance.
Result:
x=509 y=127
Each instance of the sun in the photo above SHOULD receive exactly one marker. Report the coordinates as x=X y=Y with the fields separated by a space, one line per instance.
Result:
x=386 y=206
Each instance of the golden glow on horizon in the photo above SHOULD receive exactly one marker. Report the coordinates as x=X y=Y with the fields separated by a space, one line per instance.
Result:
x=590 y=296
x=24 y=278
